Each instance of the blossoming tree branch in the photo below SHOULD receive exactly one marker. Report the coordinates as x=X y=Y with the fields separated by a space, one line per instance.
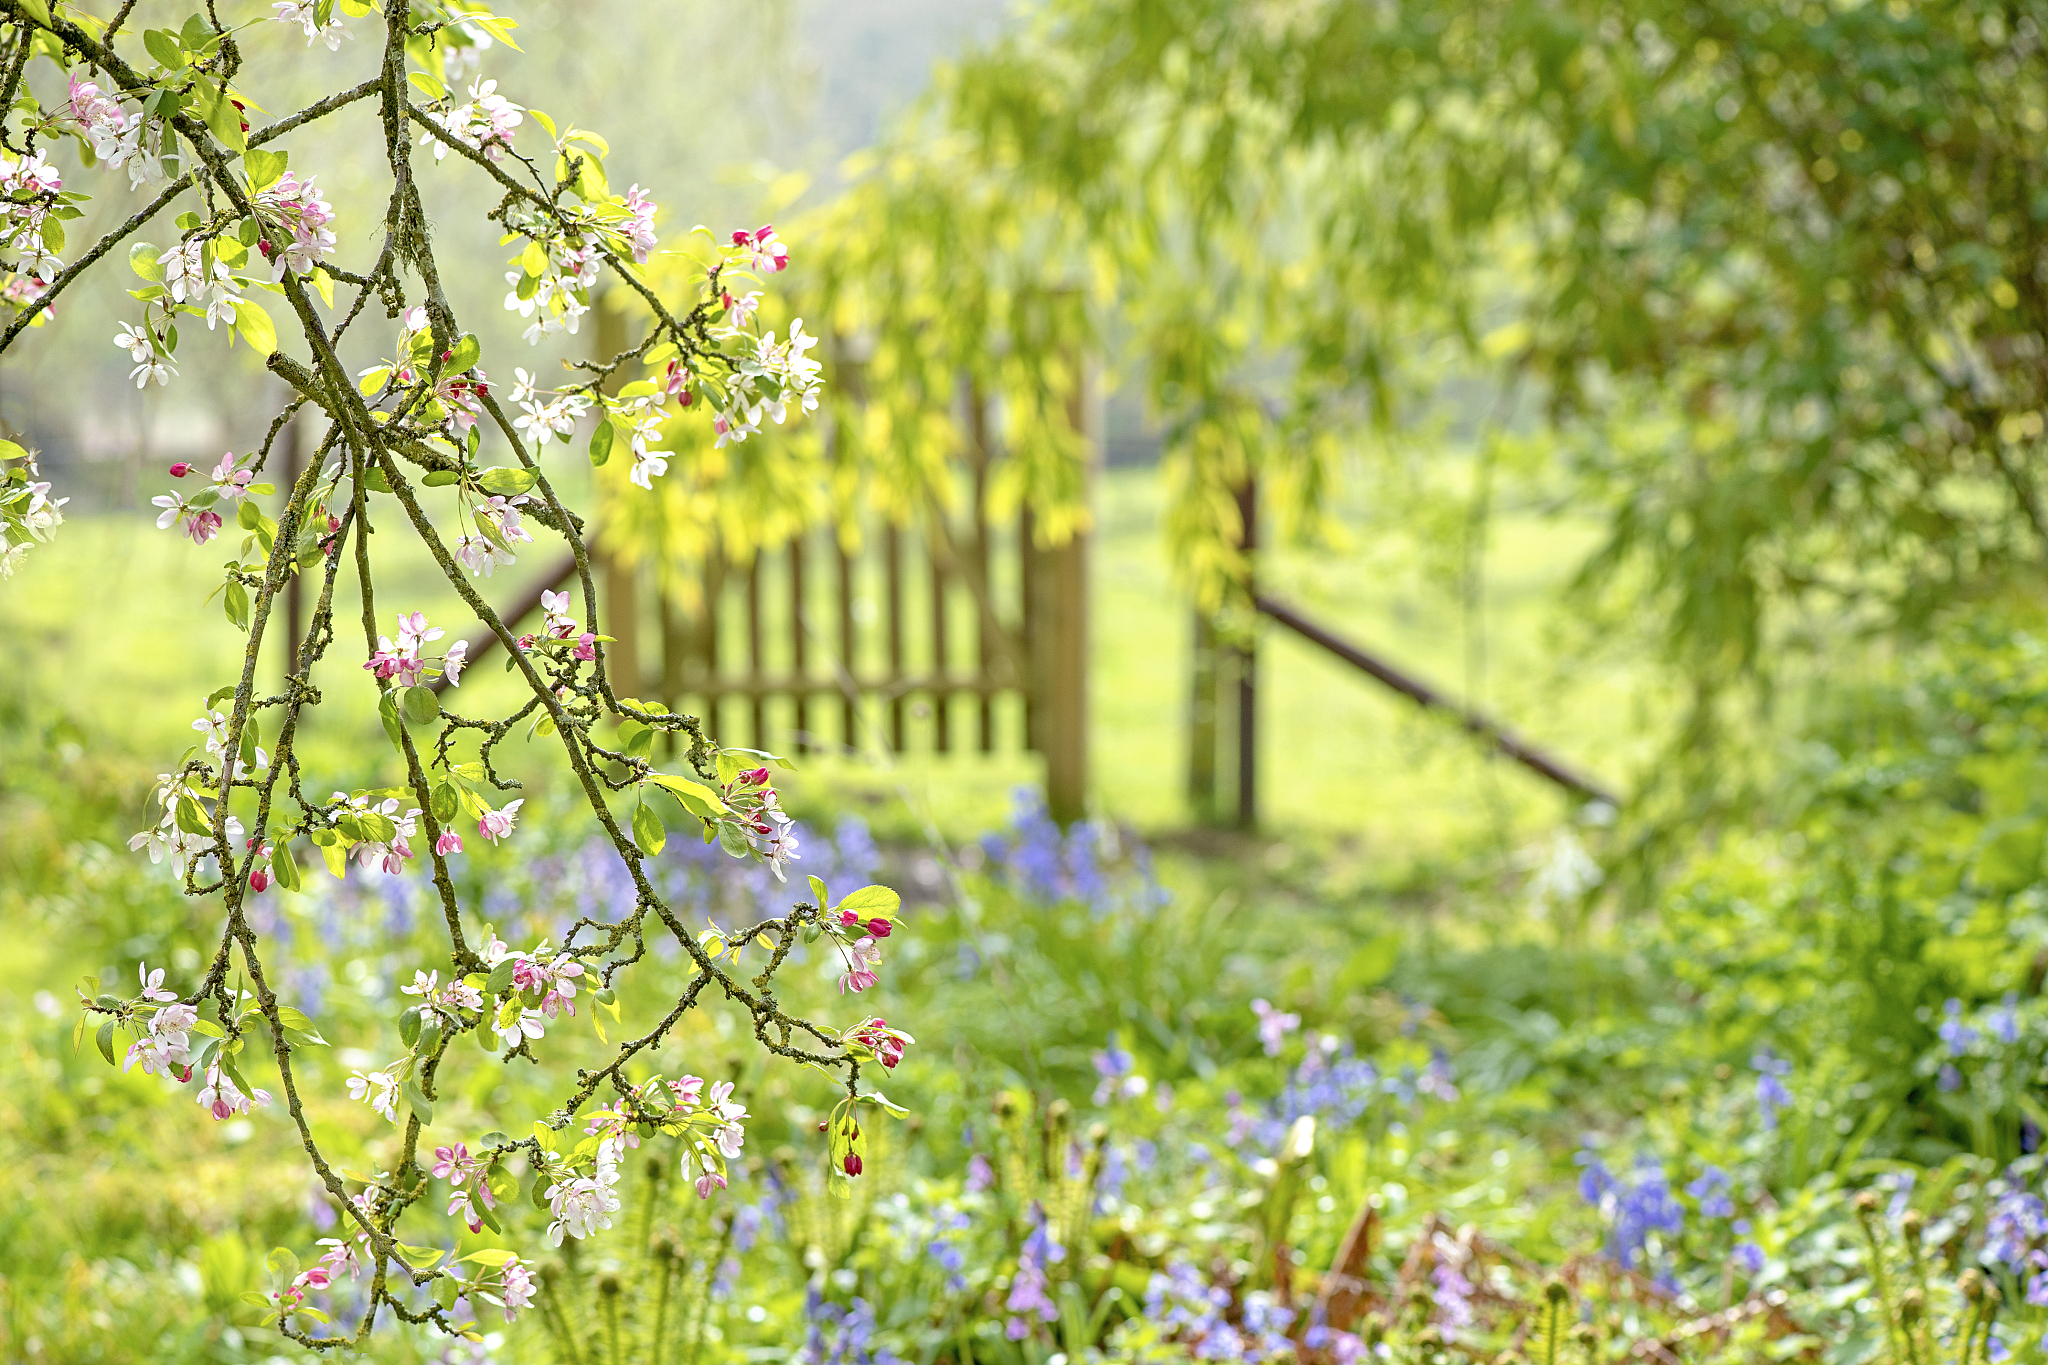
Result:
x=157 y=114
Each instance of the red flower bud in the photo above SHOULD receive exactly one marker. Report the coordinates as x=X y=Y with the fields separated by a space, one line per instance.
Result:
x=848 y=917
x=181 y=469
x=821 y=1125
x=259 y=880
x=739 y=237
x=879 y=927
x=447 y=355
x=852 y=1164
x=688 y=398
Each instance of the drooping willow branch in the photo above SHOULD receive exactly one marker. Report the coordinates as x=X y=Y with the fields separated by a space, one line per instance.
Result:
x=418 y=424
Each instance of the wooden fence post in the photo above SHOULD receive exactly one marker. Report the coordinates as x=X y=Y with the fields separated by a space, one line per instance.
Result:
x=1059 y=622
x=1202 y=703
x=620 y=576
x=1247 y=656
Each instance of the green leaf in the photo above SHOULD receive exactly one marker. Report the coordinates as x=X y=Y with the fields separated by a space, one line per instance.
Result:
x=647 y=830
x=163 y=45
x=336 y=858
x=697 y=798
x=501 y=977
x=105 y=1039
x=601 y=443
x=387 y=711
x=254 y=326
x=419 y=1258
x=283 y=1263
x=430 y=85
x=506 y=480
x=870 y=901
x=419 y=706
x=10 y=451
x=297 y=1022
x=818 y=890
x=222 y=118
x=444 y=801
x=142 y=260
x=492 y=1257
x=416 y=1100
x=191 y=817
x=467 y=351
x=263 y=168
x=440 y=478
x=235 y=601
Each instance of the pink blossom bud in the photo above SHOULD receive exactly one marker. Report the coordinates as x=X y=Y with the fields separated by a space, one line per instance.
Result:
x=848 y=917
x=259 y=880
x=852 y=1163
x=740 y=237
x=181 y=469
x=879 y=927
x=449 y=842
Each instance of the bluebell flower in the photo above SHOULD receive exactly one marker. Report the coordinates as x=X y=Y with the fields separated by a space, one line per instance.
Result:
x=2005 y=1020
x=1747 y=1257
x=1771 y=1094
x=2018 y=1219
x=1711 y=1190
x=1948 y=1079
x=1954 y=1032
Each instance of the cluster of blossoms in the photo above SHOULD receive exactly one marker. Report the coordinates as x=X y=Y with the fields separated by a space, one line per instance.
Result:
x=882 y=1042
x=457 y=396
x=339 y=1258
x=171 y=836
x=28 y=514
x=32 y=207
x=542 y=987
x=761 y=819
x=766 y=381
x=540 y=417
x=401 y=663
x=294 y=226
x=557 y=271
x=381 y=836
x=229 y=483
x=558 y=624
x=584 y=1202
x=471 y=1196
x=305 y=14
x=486 y=124
x=499 y=528
x=163 y=1046
x=25 y=292
x=711 y=1124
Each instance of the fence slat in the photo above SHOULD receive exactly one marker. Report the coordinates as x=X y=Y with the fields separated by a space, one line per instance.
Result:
x=892 y=556
x=760 y=702
x=849 y=735
x=797 y=619
x=942 y=700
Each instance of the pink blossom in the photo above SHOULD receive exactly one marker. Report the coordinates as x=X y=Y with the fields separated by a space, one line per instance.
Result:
x=762 y=249
x=221 y=1097
x=518 y=1291
x=153 y=983
x=497 y=824
x=863 y=957
x=449 y=842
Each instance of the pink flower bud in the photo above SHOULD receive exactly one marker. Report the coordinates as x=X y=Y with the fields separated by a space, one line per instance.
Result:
x=740 y=237
x=879 y=927
x=852 y=1163
x=181 y=469
x=449 y=842
x=848 y=917
x=259 y=880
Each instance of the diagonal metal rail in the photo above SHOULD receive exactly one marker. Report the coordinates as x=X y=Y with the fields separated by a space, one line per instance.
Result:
x=1422 y=694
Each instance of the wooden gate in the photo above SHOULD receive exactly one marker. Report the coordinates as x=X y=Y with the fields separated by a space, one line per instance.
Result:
x=941 y=638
